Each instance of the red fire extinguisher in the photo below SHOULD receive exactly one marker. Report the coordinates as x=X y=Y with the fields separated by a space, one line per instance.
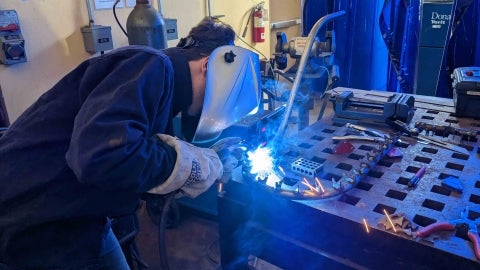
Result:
x=258 y=25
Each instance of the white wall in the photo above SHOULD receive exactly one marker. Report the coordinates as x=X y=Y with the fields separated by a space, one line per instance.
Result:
x=54 y=43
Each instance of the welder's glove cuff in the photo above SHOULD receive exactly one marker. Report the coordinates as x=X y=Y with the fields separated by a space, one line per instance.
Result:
x=196 y=168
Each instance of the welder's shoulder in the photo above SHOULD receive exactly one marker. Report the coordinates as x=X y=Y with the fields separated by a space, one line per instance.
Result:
x=136 y=49
x=132 y=51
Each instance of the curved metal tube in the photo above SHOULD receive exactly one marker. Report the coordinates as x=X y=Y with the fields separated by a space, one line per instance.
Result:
x=301 y=68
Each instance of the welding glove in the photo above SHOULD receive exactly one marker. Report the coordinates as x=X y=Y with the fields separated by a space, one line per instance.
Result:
x=196 y=169
x=231 y=151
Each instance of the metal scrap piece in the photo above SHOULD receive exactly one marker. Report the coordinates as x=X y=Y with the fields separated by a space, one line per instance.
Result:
x=400 y=222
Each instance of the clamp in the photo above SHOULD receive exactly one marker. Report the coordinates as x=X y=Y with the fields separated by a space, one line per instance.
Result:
x=349 y=108
x=454 y=224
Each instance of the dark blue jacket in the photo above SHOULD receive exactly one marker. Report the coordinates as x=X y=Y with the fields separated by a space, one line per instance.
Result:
x=82 y=152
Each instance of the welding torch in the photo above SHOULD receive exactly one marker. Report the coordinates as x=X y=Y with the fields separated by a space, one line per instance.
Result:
x=231 y=151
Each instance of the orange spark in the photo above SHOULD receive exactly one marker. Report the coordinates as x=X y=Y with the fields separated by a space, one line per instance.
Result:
x=319 y=184
x=366 y=225
x=389 y=220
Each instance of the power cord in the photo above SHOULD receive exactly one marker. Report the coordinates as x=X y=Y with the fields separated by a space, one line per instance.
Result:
x=116 y=18
x=241 y=38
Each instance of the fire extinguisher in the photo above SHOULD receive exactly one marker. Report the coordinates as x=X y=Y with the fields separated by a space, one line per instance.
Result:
x=258 y=25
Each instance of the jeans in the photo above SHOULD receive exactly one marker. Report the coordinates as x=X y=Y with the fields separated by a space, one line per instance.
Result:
x=112 y=259
x=115 y=260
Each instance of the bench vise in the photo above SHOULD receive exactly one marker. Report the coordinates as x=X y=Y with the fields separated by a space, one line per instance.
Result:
x=350 y=109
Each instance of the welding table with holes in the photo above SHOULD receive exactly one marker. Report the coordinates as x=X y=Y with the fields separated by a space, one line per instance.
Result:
x=255 y=223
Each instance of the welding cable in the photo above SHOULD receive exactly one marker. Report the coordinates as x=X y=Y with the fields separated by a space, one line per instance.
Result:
x=283 y=75
x=325 y=97
x=246 y=43
x=162 y=225
x=116 y=18
x=257 y=51
x=251 y=47
x=162 y=209
x=241 y=38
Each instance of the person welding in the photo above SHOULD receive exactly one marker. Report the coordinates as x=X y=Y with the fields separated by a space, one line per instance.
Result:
x=101 y=137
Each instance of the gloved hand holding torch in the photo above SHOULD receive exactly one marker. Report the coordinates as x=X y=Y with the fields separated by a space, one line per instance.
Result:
x=231 y=152
x=196 y=168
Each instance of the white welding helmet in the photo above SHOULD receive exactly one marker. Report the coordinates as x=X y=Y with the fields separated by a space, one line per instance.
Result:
x=232 y=91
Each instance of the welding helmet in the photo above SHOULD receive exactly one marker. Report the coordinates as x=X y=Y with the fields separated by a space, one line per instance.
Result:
x=232 y=91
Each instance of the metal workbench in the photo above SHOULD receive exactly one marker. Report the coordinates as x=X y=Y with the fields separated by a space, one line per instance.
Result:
x=255 y=222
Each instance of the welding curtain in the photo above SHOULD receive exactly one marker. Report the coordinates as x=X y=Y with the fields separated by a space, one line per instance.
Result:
x=378 y=41
x=400 y=23
x=361 y=55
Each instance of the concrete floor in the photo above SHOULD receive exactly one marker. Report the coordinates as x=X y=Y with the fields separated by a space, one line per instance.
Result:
x=192 y=244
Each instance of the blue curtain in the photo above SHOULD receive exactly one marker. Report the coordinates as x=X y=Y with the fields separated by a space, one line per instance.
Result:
x=378 y=41
x=360 y=54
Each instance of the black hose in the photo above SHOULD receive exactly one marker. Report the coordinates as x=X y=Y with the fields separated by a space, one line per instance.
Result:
x=162 y=225
x=285 y=76
x=116 y=18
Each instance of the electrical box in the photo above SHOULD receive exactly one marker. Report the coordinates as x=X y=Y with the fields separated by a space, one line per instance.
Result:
x=171 y=26
x=12 y=43
x=97 y=38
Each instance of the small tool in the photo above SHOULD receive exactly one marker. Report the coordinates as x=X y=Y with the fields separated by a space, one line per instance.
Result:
x=358 y=138
x=364 y=134
x=414 y=180
x=404 y=128
x=446 y=145
x=367 y=131
x=414 y=133
x=454 y=224
x=445 y=131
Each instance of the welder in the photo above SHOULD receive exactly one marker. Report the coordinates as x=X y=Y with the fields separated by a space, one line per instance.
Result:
x=101 y=137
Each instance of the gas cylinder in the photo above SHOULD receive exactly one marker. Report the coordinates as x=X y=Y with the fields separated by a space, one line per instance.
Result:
x=145 y=26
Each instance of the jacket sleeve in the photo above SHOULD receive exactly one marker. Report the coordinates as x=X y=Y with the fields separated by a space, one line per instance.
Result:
x=126 y=101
